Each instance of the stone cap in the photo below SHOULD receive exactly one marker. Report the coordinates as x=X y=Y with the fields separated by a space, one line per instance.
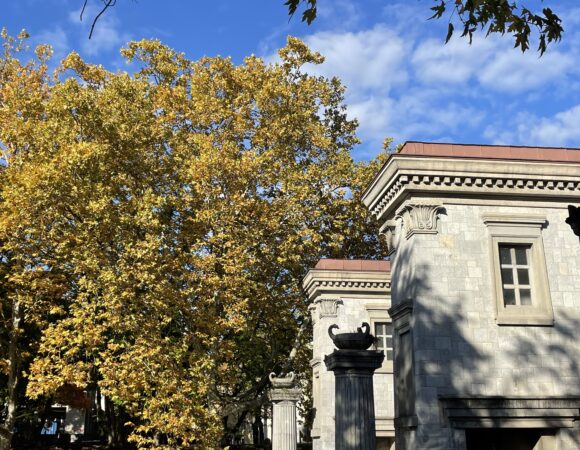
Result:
x=336 y=278
x=355 y=265
x=354 y=361
x=285 y=395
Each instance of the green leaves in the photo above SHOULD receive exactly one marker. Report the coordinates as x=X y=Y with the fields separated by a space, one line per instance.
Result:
x=500 y=16
x=497 y=16
x=309 y=13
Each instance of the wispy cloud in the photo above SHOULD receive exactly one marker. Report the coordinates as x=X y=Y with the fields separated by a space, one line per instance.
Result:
x=107 y=35
x=560 y=129
x=408 y=84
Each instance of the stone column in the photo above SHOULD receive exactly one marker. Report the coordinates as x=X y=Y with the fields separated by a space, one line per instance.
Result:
x=284 y=396
x=354 y=401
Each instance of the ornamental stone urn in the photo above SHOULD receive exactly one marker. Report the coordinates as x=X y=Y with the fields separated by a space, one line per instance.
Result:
x=361 y=340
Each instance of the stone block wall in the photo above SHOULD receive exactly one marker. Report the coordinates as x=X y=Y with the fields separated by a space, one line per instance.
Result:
x=459 y=348
x=348 y=303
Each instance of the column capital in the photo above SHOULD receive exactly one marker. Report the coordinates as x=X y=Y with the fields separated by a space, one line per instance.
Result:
x=285 y=395
x=354 y=361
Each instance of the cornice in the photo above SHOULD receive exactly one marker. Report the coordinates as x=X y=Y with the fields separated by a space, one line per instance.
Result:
x=461 y=177
x=340 y=282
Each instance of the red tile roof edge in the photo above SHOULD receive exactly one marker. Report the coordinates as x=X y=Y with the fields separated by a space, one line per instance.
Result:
x=501 y=152
x=360 y=265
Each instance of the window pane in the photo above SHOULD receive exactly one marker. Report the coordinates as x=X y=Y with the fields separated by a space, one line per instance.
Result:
x=507 y=276
x=379 y=344
x=525 y=297
x=523 y=276
x=389 y=355
x=389 y=341
x=509 y=297
x=521 y=255
x=504 y=255
x=389 y=329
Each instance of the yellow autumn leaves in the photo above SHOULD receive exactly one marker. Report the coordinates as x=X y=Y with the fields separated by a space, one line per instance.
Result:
x=158 y=224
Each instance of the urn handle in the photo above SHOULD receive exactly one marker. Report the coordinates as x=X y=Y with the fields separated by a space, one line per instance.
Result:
x=330 y=333
x=367 y=328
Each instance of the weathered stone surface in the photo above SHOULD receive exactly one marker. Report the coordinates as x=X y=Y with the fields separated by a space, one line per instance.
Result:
x=355 y=409
x=284 y=397
x=360 y=296
x=459 y=347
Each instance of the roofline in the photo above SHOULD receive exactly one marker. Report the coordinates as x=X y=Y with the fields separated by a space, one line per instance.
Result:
x=409 y=155
x=489 y=145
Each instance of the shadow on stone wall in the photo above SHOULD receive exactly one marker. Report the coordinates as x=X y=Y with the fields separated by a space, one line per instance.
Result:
x=461 y=352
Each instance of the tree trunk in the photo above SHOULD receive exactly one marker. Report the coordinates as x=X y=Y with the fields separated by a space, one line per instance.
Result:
x=116 y=418
x=12 y=401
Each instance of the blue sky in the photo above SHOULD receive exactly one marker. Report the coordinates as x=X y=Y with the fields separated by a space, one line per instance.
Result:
x=402 y=80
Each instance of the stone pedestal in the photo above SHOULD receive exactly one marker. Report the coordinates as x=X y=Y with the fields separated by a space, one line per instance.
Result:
x=284 y=397
x=354 y=402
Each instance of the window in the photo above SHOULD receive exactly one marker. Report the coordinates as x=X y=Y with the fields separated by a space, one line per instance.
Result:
x=384 y=339
x=519 y=274
x=382 y=330
x=515 y=274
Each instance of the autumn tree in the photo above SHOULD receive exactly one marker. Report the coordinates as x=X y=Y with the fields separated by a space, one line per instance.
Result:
x=159 y=223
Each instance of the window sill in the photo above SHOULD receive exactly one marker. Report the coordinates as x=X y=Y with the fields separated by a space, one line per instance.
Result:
x=387 y=367
x=526 y=319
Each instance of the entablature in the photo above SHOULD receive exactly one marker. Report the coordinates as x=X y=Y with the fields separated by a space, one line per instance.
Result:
x=340 y=283
x=403 y=175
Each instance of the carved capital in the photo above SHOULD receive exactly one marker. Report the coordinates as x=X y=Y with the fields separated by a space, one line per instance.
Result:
x=389 y=232
x=328 y=307
x=419 y=218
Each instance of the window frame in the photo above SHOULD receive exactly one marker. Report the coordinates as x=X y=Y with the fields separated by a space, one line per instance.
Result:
x=379 y=313
x=384 y=338
x=527 y=231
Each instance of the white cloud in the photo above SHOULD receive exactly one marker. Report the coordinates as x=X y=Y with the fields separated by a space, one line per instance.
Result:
x=492 y=62
x=511 y=70
x=454 y=62
x=405 y=82
x=343 y=14
x=561 y=129
x=107 y=34
x=526 y=128
x=367 y=60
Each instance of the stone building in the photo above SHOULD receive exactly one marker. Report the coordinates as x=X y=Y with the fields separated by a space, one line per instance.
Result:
x=484 y=296
x=347 y=293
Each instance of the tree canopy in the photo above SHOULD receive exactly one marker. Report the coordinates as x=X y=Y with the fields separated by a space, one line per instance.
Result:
x=155 y=226
x=492 y=16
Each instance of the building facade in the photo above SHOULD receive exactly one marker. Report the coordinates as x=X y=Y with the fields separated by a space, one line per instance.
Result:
x=348 y=293
x=485 y=296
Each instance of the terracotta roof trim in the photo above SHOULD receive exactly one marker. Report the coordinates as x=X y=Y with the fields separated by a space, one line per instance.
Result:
x=492 y=152
x=357 y=265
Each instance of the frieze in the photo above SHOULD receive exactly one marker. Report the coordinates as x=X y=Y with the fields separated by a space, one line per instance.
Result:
x=474 y=184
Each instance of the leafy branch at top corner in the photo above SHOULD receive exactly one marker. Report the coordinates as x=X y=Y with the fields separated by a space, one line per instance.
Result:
x=309 y=13
x=500 y=16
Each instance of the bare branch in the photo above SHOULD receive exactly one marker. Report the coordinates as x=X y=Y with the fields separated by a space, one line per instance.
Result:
x=108 y=3
x=83 y=10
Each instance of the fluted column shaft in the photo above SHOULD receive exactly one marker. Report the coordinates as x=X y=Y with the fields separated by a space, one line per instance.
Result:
x=354 y=399
x=284 y=431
